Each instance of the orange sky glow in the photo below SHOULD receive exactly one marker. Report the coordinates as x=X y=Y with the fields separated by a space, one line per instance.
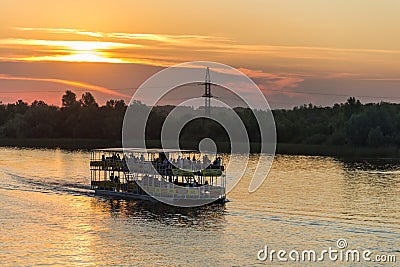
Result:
x=296 y=51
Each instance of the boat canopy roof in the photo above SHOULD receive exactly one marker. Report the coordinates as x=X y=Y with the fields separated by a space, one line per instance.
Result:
x=143 y=150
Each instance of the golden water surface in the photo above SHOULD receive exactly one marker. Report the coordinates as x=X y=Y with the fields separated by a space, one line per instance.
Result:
x=48 y=215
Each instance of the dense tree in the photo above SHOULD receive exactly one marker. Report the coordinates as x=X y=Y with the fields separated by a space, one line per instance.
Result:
x=349 y=123
x=88 y=100
x=69 y=99
x=375 y=137
x=21 y=107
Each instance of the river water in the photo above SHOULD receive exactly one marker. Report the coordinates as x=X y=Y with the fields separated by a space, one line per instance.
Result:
x=48 y=215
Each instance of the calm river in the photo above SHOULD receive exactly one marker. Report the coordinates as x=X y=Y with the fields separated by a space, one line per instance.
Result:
x=48 y=215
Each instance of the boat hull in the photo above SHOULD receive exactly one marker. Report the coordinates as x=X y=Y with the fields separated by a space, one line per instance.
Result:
x=182 y=202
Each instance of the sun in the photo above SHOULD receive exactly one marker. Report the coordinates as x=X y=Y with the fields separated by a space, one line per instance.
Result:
x=84 y=51
x=74 y=51
x=88 y=56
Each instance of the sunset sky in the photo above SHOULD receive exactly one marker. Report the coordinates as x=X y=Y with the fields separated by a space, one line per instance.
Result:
x=302 y=51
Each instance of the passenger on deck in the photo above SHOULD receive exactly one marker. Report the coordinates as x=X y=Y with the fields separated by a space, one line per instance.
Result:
x=218 y=161
x=165 y=163
x=206 y=161
x=124 y=165
x=187 y=163
x=198 y=164
x=180 y=162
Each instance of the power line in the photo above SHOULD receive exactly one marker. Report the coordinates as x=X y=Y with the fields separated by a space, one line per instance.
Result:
x=332 y=94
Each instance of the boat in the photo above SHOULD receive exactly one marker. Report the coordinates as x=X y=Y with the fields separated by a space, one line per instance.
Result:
x=184 y=178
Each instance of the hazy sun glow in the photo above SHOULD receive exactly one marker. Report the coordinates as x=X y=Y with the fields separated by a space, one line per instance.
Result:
x=89 y=56
x=71 y=51
x=78 y=56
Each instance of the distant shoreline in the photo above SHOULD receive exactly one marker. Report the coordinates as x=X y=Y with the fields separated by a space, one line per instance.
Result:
x=63 y=143
x=282 y=148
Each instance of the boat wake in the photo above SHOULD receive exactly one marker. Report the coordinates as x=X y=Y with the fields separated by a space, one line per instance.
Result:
x=30 y=184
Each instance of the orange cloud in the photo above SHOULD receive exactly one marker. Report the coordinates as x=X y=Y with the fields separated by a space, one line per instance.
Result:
x=272 y=82
x=161 y=49
x=80 y=45
x=66 y=82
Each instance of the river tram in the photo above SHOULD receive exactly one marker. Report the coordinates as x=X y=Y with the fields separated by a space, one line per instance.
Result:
x=176 y=177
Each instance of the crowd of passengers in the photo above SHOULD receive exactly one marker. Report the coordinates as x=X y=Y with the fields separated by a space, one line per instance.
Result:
x=163 y=162
x=186 y=162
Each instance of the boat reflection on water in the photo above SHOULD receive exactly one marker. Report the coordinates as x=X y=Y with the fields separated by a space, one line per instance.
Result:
x=211 y=216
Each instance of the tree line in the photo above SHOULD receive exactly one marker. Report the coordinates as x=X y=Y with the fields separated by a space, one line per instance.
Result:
x=349 y=123
x=82 y=118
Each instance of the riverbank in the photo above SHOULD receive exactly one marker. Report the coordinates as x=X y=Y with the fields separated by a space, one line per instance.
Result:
x=63 y=143
x=338 y=151
x=287 y=149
